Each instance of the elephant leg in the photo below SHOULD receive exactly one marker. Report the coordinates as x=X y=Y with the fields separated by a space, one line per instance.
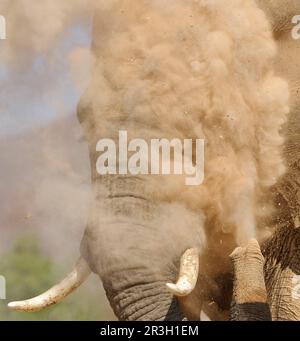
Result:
x=249 y=291
x=282 y=273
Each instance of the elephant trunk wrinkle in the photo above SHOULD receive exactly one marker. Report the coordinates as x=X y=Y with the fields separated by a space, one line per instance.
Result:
x=147 y=301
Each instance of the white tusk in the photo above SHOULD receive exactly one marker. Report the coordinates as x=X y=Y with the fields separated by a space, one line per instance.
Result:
x=58 y=292
x=188 y=274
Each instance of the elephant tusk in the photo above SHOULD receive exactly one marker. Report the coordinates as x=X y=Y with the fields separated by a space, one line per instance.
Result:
x=58 y=292
x=188 y=274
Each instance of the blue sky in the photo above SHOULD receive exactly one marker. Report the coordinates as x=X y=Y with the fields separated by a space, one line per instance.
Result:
x=45 y=90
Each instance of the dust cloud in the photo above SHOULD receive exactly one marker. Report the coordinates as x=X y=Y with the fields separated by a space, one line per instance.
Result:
x=187 y=69
x=195 y=69
x=45 y=174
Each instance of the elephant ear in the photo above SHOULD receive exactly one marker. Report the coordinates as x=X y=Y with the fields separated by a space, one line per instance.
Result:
x=282 y=251
x=287 y=190
x=282 y=273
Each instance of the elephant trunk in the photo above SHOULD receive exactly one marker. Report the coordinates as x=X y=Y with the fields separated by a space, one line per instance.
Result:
x=249 y=290
x=140 y=295
x=143 y=297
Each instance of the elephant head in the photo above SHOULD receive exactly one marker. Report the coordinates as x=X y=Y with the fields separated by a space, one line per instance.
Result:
x=138 y=240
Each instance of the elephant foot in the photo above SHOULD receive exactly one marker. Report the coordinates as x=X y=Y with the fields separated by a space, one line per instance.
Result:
x=249 y=290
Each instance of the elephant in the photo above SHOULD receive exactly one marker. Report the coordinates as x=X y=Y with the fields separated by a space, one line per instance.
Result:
x=140 y=247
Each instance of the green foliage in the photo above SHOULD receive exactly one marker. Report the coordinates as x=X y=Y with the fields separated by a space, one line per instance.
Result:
x=29 y=272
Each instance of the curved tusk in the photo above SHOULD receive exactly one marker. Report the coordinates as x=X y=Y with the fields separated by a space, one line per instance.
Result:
x=58 y=292
x=188 y=274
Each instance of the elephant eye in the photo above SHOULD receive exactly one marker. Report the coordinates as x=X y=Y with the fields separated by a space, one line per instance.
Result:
x=84 y=111
x=86 y=117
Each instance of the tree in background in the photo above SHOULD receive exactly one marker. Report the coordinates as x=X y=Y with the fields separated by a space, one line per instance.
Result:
x=28 y=271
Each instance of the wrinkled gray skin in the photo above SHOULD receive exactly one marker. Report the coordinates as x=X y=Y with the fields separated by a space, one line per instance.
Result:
x=282 y=252
x=135 y=259
x=249 y=299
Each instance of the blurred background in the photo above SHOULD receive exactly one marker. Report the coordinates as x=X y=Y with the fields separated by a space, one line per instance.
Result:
x=45 y=65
